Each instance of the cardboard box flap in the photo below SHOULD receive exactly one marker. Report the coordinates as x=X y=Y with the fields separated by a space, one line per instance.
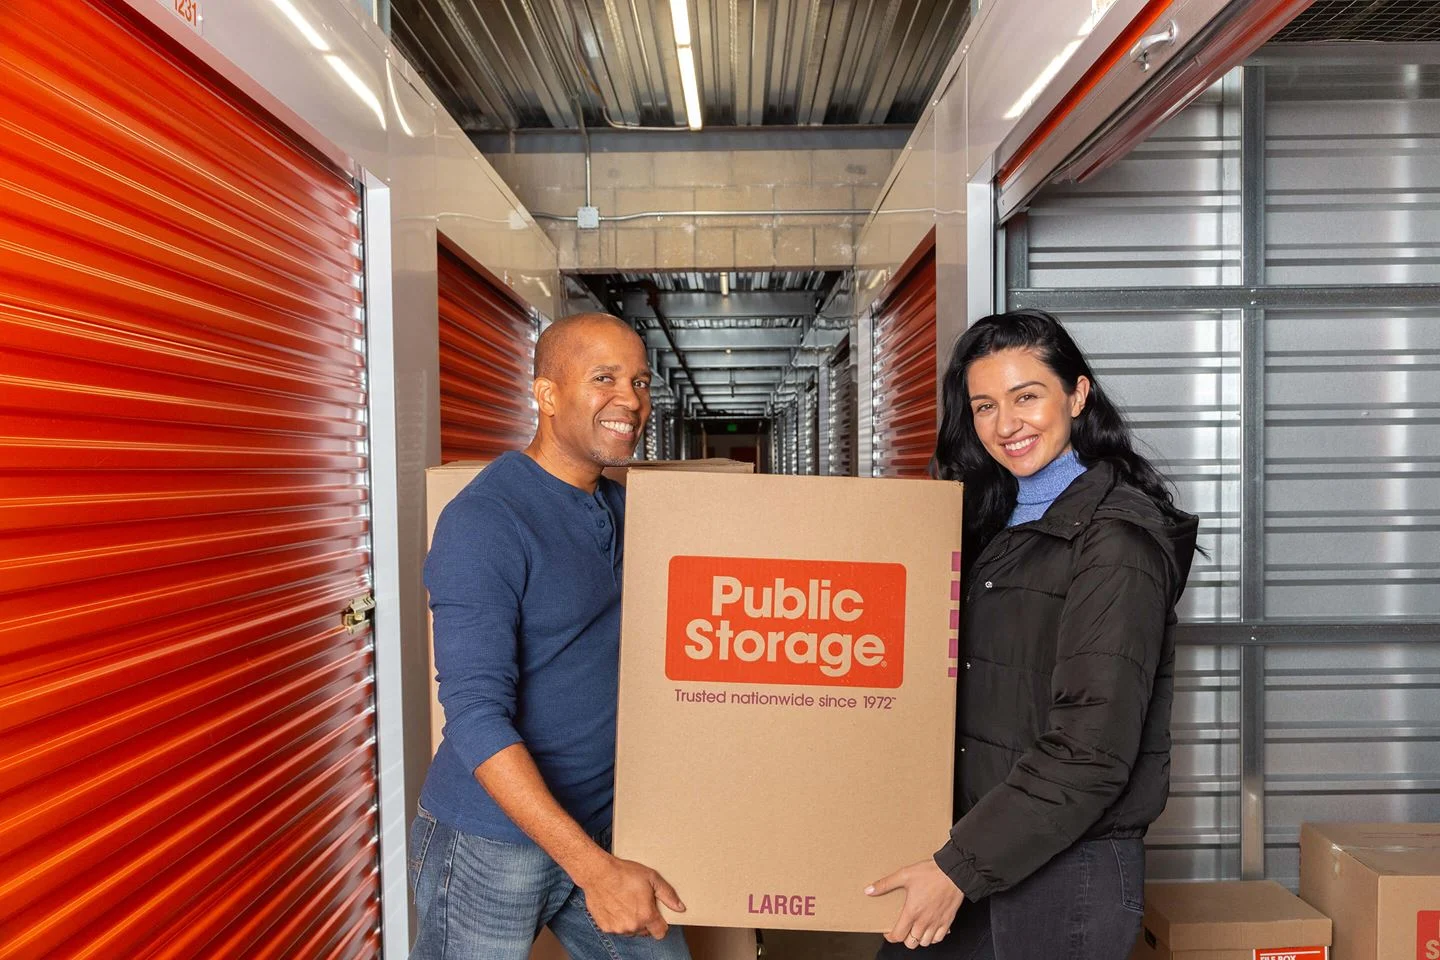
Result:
x=1389 y=849
x=707 y=465
x=1240 y=915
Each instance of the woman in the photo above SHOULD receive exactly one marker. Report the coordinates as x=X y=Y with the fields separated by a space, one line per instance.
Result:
x=1075 y=556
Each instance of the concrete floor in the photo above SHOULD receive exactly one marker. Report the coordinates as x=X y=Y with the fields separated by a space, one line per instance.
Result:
x=805 y=945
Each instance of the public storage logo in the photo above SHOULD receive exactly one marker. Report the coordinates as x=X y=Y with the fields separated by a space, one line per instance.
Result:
x=798 y=622
x=1427 y=935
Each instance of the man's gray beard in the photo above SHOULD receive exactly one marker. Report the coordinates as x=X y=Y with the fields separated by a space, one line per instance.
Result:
x=605 y=461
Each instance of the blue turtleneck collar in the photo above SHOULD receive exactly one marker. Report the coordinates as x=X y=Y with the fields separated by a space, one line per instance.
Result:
x=1040 y=489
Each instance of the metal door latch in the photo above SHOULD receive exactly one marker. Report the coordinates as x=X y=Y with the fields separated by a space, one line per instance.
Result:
x=358 y=616
x=1140 y=53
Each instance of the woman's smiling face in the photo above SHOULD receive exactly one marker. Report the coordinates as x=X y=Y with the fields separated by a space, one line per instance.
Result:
x=1021 y=409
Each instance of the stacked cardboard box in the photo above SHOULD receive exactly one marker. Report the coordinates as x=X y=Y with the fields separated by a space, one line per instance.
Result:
x=1379 y=882
x=1257 y=920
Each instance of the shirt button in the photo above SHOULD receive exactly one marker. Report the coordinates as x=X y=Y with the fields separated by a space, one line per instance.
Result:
x=962 y=749
x=988 y=584
x=967 y=664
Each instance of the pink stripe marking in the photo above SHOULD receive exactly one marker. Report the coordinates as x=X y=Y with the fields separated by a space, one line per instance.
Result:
x=954 y=589
x=955 y=560
x=954 y=619
x=954 y=648
x=954 y=672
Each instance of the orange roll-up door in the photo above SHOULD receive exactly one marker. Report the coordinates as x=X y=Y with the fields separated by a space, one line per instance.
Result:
x=905 y=381
x=487 y=352
x=187 y=742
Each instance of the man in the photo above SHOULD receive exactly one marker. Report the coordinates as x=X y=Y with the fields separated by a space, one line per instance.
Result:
x=524 y=580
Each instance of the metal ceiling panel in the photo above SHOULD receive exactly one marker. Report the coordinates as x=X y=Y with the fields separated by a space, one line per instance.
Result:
x=1374 y=21
x=509 y=64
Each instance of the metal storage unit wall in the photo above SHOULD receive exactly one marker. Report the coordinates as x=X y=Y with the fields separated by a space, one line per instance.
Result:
x=838 y=414
x=806 y=426
x=186 y=726
x=905 y=418
x=1257 y=284
x=649 y=448
x=487 y=355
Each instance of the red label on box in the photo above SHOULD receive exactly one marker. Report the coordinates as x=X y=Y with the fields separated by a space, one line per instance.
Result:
x=1427 y=935
x=1293 y=953
x=798 y=622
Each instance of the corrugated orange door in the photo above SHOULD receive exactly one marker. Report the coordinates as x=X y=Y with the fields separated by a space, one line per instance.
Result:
x=905 y=382
x=187 y=761
x=487 y=349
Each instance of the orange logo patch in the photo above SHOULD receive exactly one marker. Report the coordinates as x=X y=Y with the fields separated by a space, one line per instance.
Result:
x=799 y=622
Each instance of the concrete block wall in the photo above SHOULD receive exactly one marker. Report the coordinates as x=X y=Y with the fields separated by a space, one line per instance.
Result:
x=762 y=179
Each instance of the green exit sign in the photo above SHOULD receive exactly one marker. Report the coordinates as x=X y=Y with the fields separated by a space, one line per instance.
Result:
x=732 y=428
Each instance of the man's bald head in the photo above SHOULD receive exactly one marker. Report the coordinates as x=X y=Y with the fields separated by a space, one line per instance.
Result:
x=557 y=344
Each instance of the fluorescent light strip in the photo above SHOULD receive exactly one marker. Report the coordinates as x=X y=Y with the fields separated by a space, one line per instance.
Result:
x=680 y=17
x=691 y=88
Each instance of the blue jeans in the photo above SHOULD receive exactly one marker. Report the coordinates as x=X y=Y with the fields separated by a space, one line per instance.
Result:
x=1085 y=904
x=480 y=899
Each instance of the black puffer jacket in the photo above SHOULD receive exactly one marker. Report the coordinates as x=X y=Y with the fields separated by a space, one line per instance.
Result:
x=1066 y=681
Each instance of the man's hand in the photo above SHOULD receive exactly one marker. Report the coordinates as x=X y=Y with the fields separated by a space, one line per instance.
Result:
x=931 y=899
x=621 y=896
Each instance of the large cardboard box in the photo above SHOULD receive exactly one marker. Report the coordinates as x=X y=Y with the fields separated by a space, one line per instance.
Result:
x=787 y=691
x=1239 y=920
x=1379 y=882
x=442 y=484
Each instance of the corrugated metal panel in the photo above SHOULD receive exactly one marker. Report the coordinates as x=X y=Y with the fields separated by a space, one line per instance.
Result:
x=1352 y=174
x=650 y=448
x=808 y=424
x=1176 y=376
x=1353 y=466
x=740 y=281
x=904 y=393
x=187 y=761
x=487 y=357
x=1166 y=215
x=839 y=416
x=1352 y=733
x=1373 y=21
x=1197 y=837
x=514 y=63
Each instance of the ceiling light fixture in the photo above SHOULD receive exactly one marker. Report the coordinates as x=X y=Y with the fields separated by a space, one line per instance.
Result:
x=680 y=18
x=724 y=284
x=689 y=85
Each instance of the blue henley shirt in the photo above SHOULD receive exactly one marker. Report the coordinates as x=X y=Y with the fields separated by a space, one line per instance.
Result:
x=524 y=580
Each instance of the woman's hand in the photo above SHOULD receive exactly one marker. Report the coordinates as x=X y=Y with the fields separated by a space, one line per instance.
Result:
x=931 y=899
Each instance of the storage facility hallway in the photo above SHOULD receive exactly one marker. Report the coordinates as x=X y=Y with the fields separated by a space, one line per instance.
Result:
x=272 y=278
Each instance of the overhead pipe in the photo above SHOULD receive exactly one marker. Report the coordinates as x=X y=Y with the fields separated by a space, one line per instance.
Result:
x=652 y=298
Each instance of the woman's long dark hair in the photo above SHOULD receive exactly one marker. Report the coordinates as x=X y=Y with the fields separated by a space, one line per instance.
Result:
x=1099 y=433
